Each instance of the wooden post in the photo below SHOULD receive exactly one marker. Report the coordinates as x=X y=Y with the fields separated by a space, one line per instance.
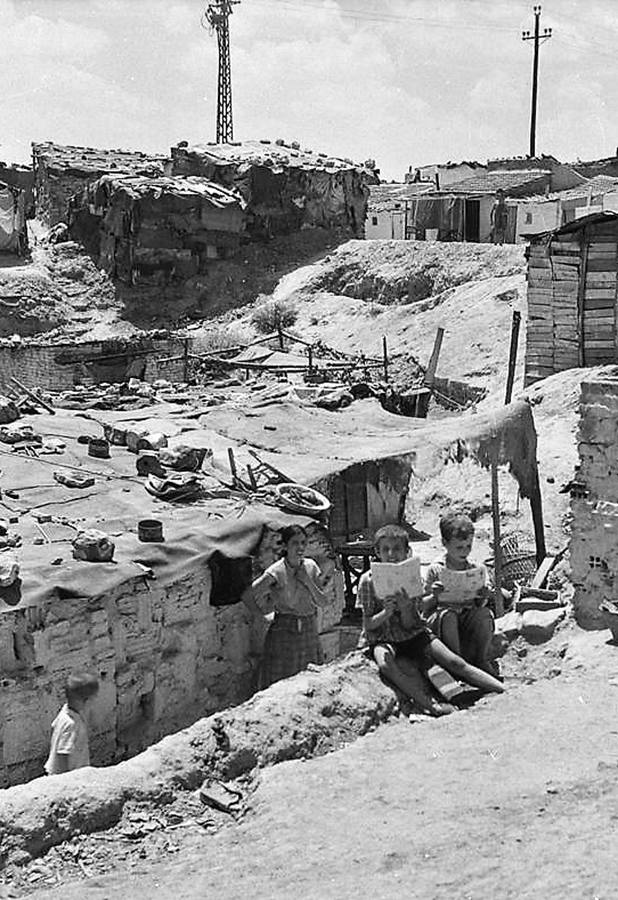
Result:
x=495 y=515
x=536 y=507
x=233 y=469
x=185 y=364
x=581 y=293
x=385 y=357
x=422 y=404
x=510 y=378
x=432 y=366
x=310 y=354
x=280 y=335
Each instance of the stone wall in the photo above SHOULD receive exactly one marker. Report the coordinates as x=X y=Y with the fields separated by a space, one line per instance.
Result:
x=594 y=503
x=59 y=367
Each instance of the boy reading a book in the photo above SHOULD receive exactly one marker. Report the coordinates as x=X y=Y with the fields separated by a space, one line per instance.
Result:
x=456 y=594
x=400 y=641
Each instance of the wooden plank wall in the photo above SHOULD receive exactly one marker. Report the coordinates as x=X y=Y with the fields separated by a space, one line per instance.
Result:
x=552 y=342
x=572 y=322
x=599 y=300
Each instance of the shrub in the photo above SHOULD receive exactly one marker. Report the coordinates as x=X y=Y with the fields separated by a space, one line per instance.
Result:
x=222 y=337
x=274 y=314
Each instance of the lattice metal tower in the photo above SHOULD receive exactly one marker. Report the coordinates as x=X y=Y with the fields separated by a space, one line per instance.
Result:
x=217 y=14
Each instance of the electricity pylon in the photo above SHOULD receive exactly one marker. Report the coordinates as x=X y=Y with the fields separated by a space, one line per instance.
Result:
x=217 y=15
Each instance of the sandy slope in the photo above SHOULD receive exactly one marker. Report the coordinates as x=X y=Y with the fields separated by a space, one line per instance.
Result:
x=514 y=799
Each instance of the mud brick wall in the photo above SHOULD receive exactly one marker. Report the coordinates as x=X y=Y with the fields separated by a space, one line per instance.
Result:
x=594 y=503
x=164 y=656
x=59 y=367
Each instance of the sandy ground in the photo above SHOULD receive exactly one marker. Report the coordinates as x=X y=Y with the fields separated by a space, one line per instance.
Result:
x=516 y=798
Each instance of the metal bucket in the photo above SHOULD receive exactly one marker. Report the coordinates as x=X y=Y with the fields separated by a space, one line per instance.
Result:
x=150 y=531
x=99 y=448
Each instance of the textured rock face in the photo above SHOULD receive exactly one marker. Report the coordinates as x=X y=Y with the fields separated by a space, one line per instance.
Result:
x=594 y=503
x=312 y=713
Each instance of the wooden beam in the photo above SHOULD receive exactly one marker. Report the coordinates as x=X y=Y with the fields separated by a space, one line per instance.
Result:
x=510 y=378
x=495 y=517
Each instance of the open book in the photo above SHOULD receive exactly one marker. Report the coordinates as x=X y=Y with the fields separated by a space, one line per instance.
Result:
x=461 y=587
x=388 y=578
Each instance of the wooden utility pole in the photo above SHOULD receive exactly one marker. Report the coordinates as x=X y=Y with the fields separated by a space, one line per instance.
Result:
x=537 y=37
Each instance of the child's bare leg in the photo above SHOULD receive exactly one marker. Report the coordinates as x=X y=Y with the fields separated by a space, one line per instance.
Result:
x=424 y=698
x=449 y=631
x=407 y=678
x=479 y=625
x=463 y=670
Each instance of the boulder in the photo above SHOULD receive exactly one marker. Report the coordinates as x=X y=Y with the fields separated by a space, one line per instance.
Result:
x=8 y=411
x=538 y=626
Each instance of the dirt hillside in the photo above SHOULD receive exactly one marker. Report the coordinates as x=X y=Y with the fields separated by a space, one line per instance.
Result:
x=406 y=290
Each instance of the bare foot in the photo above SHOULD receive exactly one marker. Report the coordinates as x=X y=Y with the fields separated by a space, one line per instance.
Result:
x=437 y=709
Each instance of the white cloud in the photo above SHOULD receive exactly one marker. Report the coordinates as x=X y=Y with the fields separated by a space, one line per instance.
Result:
x=403 y=81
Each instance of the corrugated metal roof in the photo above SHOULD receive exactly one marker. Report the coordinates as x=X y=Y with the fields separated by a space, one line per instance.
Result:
x=490 y=182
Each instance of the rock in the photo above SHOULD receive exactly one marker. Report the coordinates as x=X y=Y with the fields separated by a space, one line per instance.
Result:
x=93 y=546
x=538 y=626
x=527 y=603
x=509 y=625
x=8 y=411
x=9 y=570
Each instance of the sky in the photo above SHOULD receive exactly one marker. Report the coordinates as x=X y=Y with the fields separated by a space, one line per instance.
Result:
x=403 y=82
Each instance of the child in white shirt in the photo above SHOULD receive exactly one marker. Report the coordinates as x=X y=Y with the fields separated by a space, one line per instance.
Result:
x=69 y=747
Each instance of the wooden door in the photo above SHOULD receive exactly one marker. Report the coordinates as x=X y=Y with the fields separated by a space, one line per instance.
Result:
x=598 y=308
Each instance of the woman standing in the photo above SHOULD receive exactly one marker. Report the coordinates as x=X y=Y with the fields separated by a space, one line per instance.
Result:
x=292 y=587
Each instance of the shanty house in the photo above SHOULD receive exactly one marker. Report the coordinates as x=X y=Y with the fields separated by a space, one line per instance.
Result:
x=442 y=175
x=156 y=229
x=61 y=171
x=572 y=280
x=13 y=234
x=285 y=188
x=536 y=215
x=387 y=213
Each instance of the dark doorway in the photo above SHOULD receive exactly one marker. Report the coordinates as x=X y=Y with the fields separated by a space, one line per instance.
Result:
x=472 y=216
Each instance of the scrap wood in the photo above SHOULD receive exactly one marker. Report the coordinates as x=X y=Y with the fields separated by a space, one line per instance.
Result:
x=264 y=465
x=38 y=400
x=545 y=568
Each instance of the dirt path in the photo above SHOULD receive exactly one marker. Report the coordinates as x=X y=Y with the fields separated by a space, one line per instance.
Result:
x=517 y=798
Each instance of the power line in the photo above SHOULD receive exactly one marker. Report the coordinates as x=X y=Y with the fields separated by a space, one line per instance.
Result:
x=370 y=16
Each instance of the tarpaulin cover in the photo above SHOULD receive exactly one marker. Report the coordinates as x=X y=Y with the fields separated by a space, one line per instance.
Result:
x=305 y=442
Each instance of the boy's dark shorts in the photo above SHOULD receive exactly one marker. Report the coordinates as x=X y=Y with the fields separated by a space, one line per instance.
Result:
x=415 y=648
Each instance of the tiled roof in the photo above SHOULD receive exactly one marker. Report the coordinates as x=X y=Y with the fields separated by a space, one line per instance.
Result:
x=385 y=196
x=490 y=182
x=93 y=161
x=265 y=153
x=597 y=186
